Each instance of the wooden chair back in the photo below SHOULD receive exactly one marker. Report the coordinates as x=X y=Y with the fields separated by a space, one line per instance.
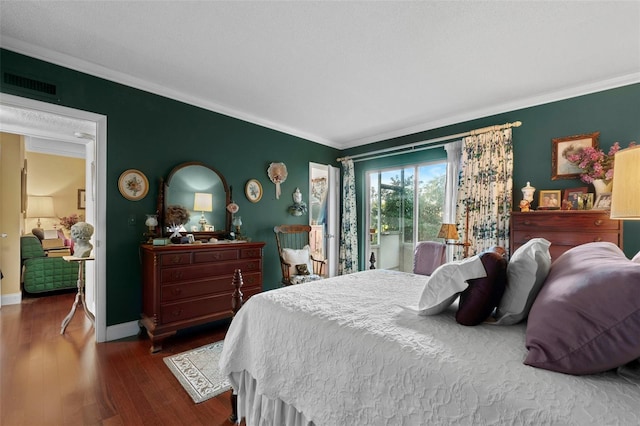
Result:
x=294 y=237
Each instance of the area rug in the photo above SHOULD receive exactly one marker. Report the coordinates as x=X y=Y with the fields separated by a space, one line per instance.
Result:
x=198 y=373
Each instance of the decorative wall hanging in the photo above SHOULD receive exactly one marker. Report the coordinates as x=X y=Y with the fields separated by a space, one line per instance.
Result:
x=299 y=207
x=253 y=190
x=561 y=167
x=133 y=185
x=278 y=174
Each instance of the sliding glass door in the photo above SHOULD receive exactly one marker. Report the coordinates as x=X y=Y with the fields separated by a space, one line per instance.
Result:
x=399 y=215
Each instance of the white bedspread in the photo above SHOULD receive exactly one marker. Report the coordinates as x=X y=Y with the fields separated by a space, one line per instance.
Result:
x=344 y=351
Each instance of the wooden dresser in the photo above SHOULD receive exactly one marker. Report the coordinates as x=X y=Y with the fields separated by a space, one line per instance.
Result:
x=564 y=228
x=191 y=284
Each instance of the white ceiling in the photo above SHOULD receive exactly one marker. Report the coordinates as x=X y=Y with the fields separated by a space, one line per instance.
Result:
x=340 y=73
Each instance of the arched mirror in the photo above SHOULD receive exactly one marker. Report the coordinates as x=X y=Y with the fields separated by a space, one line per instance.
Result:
x=204 y=193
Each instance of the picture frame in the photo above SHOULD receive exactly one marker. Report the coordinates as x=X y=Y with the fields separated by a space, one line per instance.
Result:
x=587 y=201
x=253 y=190
x=549 y=199
x=82 y=199
x=133 y=185
x=561 y=168
x=572 y=200
x=603 y=201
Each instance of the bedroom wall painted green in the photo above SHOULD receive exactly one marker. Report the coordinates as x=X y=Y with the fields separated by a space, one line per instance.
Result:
x=614 y=113
x=153 y=134
x=139 y=122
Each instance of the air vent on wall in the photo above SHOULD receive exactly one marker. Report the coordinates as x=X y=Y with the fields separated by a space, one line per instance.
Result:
x=29 y=84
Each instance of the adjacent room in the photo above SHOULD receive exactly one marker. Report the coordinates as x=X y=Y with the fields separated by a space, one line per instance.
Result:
x=319 y=213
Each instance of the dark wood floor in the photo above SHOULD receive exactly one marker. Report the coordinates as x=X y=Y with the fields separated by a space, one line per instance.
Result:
x=52 y=379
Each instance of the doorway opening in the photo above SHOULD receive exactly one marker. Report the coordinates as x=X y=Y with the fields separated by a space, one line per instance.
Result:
x=42 y=120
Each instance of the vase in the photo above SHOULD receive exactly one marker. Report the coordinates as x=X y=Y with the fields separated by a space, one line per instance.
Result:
x=601 y=186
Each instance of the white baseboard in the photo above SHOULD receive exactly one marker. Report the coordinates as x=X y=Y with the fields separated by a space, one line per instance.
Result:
x=122 y=330
x=11 y=299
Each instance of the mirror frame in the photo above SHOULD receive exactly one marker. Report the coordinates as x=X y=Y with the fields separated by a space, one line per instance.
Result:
x=162 y=208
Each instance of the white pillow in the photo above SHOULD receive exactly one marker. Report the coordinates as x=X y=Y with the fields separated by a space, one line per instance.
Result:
x=297 y=257
x=526 y=272
x=447 y=282
x=636 y=258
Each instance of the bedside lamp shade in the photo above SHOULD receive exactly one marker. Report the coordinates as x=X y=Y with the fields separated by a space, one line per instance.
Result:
x=625 y=195
x=40 y=207
x=448 y=231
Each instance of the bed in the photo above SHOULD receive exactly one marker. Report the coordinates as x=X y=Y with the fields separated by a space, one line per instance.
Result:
x=352 y=350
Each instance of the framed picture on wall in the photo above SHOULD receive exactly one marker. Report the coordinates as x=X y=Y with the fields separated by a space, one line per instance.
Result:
x=82 y=199
x=561 y=148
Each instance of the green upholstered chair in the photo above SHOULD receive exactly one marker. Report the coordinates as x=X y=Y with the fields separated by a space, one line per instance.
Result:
x=40 y=273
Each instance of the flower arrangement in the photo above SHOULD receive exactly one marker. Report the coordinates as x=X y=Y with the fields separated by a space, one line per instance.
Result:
x=81 y=231
x=595 y=163
x=68 y=221
x=176 y=215
x=134 y=185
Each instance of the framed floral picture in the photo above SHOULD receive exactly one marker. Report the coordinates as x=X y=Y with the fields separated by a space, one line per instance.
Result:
x=253 y=190
x=561 y=148
x=133 y=185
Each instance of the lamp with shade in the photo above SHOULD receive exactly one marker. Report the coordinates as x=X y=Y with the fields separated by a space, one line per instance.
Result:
x=203 y=202
x=449 y=232
x=40 y=207
x=625 y=195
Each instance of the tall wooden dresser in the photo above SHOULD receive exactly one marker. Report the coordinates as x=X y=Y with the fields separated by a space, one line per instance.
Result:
x=564 y=228
x=191 y=284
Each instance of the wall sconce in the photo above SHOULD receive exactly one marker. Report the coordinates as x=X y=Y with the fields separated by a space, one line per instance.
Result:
x=625 y=195
x=40 y=207
x=203 y=202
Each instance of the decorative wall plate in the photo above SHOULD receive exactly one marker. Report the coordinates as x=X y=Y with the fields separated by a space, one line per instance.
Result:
x=253 y=190
x=133 y=185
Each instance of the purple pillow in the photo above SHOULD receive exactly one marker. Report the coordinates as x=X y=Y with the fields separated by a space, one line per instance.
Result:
x=586 y=318
x=482 y=296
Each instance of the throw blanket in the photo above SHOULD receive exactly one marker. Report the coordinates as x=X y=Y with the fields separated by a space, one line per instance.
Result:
x=346 y=351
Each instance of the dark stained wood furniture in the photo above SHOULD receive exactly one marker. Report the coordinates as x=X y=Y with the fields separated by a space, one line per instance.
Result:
x=564 y=228
x=191 y=284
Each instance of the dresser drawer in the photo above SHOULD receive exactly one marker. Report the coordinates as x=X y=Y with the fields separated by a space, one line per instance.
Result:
x=174 y=259
x=566 y=238
x=209 y=286
x=564 y=221
x=205 y=270
x=215 y=256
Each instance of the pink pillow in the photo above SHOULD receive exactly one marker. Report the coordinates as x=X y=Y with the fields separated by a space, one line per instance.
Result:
x=586 y=318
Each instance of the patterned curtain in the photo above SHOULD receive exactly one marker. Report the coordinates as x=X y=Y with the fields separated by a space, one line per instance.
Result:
x=485 y=191
x=349 y=229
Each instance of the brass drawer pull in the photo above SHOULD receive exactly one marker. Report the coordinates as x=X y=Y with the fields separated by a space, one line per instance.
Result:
x=175 y=259
x=598 y=222
x=526 y=222
x=177 y=275
x=177 y=291
x=597 y=239
x=177 y=312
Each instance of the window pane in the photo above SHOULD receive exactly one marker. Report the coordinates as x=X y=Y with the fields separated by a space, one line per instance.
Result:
x=430 y=199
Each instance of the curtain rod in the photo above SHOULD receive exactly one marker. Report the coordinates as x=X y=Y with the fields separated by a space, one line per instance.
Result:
x=412 y=146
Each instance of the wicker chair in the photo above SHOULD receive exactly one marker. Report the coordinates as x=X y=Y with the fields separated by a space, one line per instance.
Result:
x=296 y=262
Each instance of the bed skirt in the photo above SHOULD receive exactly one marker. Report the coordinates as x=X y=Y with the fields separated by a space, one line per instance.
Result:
x=258 y=410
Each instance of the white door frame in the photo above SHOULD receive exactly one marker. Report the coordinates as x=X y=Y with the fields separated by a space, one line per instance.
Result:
x=96 y=160
x=333 y=204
